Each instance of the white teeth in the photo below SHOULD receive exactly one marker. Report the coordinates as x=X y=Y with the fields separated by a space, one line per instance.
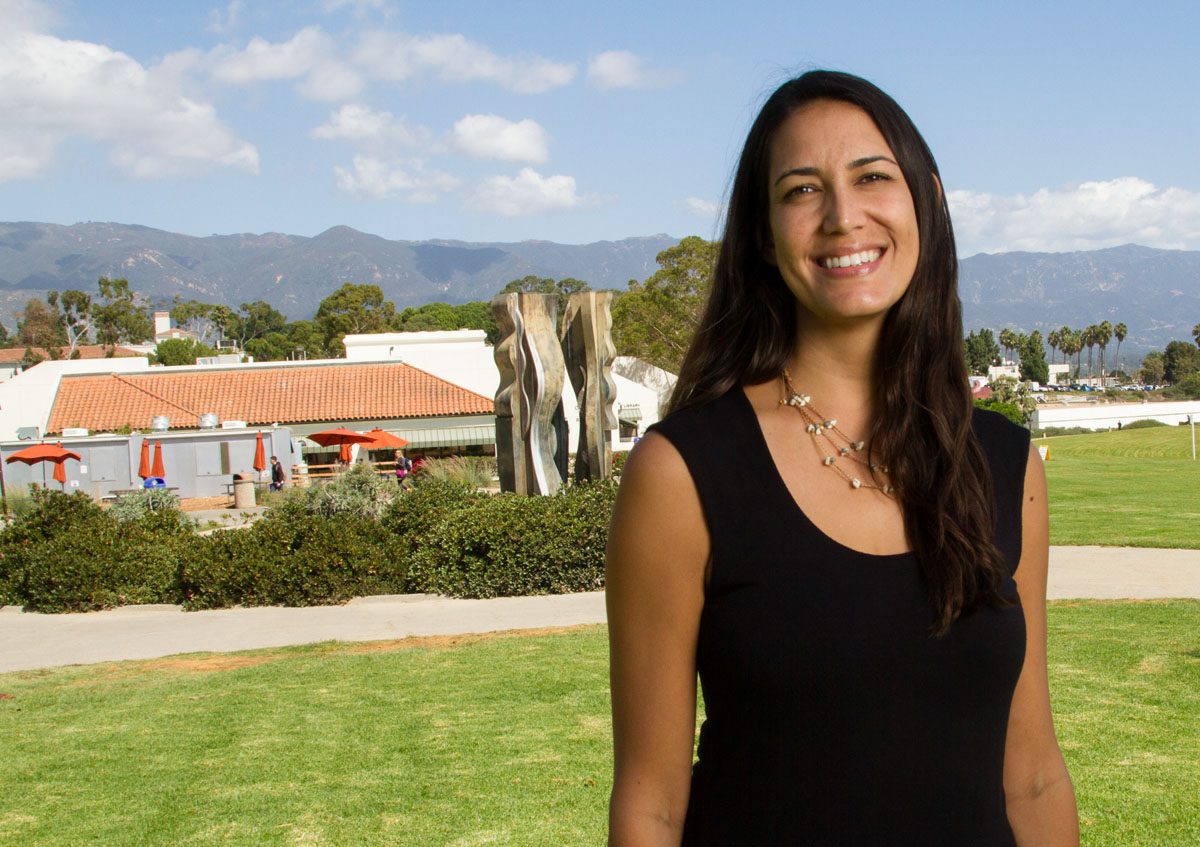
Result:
x=853 y=260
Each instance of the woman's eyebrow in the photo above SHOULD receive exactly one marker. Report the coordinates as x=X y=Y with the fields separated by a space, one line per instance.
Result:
x=811 y=171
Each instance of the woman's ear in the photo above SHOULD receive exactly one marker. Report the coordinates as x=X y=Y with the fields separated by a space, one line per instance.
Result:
x=941 y=195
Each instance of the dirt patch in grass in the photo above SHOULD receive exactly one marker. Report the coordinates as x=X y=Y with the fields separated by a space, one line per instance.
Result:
x=449 y=642
x=210 y=664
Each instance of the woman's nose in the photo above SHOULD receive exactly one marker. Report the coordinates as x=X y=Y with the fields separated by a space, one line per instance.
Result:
x=841 y=213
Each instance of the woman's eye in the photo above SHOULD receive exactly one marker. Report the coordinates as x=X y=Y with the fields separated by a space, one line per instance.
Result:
x=876 y=177
x=797 y=190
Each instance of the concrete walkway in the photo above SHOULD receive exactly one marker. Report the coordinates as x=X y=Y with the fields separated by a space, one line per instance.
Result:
x=29 y=641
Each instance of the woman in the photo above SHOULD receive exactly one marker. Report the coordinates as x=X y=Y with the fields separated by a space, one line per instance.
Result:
x=864 y=600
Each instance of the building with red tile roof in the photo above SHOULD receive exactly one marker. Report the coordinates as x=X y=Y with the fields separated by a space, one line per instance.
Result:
x=303 y=396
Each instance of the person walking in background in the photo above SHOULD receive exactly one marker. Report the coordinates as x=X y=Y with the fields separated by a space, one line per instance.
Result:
x=403 y=470
x=277 y=476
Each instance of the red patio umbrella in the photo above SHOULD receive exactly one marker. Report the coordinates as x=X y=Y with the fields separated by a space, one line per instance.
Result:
x=46 y=453
x=157 y=468
x=260 y=454
x=382 y=440
x=340 y=436
x=144 y=464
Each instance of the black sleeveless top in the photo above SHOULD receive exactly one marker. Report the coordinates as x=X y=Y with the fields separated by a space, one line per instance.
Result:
x=833 y=717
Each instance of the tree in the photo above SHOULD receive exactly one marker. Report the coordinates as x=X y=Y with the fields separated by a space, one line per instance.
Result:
x=1069 y=343
x=544 y=285
x=207 y=320
x=1121 y=332
x=443 y=316
x=655 y=320
x=350 y=310
x=1103 y=335
x=1008 y=390
x=180 y=351
x=1195 y=334
x=1008 y=340
x=1052 y=339
x=40 y=325
x=77 y=320
x=1033 y=360
x=119 y=319
x=981 y=351
x=252 y=320
x=1180 y=360
x=1152 y=369
x=4 y=339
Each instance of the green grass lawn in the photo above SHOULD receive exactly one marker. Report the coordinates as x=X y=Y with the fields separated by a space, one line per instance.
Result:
x=494 y=741
x=1133 y=487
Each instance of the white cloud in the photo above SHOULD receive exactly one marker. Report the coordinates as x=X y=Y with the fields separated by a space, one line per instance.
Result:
x=494 y=137
x=27 y=16
x=1089 y=216
x=528 y=193
x=454 y=58
x=702 y=208
x=53 y=89
x=263 y=60
x=363 y=125
x=308 y=56
x=223 y=21
x=359 y=8
x=622 y=69
x=377 y=179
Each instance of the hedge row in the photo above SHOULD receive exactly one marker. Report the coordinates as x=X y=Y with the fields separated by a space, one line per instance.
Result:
x=68 y=554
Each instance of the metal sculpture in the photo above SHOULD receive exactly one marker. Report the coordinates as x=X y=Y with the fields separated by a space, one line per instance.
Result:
x=533 y=355
x=588 y=351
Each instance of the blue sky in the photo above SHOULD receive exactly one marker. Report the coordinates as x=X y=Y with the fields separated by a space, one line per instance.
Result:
x=1057 y=126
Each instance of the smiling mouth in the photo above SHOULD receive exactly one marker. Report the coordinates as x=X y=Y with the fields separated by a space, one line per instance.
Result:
x=864 y=257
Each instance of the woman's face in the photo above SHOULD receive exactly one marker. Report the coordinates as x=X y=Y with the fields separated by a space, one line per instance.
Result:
x=843 y=225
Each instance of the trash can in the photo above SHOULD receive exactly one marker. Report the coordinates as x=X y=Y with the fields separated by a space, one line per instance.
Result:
x=243 y=491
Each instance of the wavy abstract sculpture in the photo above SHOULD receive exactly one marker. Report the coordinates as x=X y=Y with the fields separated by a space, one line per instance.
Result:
x=534 y=354
x=530 y=425
x=586 y=332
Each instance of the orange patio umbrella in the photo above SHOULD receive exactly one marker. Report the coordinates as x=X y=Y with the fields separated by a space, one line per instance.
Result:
x=342 y=437
x=157 y=469
x=260 y=454
x=144 y=464
x=382 y=439
x=46 y=453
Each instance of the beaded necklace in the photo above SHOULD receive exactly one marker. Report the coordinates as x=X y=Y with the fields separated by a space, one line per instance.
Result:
x=845 y=448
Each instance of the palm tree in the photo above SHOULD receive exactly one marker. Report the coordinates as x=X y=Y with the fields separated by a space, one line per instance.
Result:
x=1052 y=340
x=1103 y=336
x=1120 y=331
x=1006 y=341
x=1089 y=341
x=1064 y=332
x=1070 y=345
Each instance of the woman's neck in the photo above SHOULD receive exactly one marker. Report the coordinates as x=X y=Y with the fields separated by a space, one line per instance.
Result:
x=837 y=367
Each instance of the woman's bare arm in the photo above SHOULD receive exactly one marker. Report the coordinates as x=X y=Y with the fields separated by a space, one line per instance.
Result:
x=657 y=551
x=1040 y=797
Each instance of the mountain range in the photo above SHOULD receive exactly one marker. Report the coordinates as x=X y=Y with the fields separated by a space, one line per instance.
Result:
x=1155 y=292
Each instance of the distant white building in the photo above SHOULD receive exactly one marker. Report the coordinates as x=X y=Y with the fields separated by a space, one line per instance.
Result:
x=1091 y=414
x=464 y=358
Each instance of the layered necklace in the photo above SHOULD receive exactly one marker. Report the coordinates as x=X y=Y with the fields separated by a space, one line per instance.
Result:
x=826 y=435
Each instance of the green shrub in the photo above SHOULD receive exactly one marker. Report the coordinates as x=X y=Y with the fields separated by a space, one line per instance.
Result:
x=506 y=545
x=69 y=555
x=1063 y=430
x=359 y=492
x=475 y=471
x=618 y=463
x=1143 y=424
x=139 y=504
x=291 y=560
x=1187 y=388
x=1010 y=410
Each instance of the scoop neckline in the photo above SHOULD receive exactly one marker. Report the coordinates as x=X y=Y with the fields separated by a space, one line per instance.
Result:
x=782 y=488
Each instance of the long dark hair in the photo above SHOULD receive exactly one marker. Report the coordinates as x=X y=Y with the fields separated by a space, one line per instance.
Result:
x=923 y=426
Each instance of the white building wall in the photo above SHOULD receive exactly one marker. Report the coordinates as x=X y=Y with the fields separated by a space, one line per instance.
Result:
x=464 y=358
x=1107 y=415
x=26 y=399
